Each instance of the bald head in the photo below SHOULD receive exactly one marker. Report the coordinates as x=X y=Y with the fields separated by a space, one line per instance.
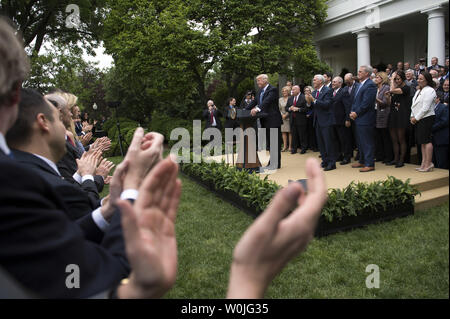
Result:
x=348 y=79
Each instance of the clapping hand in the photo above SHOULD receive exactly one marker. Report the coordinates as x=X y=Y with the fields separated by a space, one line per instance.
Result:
x=277 y=236
x=149 y=232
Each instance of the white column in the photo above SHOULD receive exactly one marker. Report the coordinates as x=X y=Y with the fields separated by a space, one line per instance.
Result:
x=363 y=46
x=436 y=33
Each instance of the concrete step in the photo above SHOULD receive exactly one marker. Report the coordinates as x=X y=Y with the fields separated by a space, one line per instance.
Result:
x=437 y=182
x=432 y=198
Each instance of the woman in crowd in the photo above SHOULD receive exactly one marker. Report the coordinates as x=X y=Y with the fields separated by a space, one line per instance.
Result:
x=440 y=133
x=286 y=126
x=399 y=97
x=383 y=148
x=422 y=117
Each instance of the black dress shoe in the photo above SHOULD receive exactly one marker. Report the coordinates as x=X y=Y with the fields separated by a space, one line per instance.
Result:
x=294 y=152
x=345 y=161
x=399 y=164
x=303 y=151
x=330 y=168
x=323 y=164
x=391 y=163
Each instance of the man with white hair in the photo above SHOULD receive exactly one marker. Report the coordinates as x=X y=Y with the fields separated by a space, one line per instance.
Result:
x=266 y=101
x=364 y=114
x=321 y=100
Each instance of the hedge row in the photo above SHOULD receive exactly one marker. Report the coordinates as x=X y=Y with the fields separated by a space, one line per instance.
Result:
x=350 y=201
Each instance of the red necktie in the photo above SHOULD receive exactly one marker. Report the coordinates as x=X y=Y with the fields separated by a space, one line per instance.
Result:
x=334 y=93
x=317 y=95
x=212 y=118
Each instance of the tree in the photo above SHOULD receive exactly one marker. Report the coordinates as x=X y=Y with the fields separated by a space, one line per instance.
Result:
x=41 y=20
x=171 y=46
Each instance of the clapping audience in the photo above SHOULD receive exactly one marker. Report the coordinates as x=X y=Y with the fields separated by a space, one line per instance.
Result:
x=45 y=230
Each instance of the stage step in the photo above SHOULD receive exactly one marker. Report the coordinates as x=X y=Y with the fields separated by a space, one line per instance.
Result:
x=432 y=197
x=432 y=184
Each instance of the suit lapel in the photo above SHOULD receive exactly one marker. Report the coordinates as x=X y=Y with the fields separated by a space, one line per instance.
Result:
x=27 y=158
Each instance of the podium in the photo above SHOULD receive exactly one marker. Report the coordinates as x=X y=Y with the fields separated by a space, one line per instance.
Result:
x=248 y=153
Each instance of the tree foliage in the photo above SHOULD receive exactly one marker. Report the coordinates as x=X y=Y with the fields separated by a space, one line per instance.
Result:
x=45 y=20
x=166 y=49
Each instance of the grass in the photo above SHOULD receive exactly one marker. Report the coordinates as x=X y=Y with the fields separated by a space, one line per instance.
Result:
x=412 y=254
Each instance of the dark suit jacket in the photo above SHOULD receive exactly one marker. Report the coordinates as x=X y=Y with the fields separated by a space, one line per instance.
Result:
x=348 y=99
x=38 y=241
x=229 y=122
x=269 y=106
x=79 y=202
x=338 y=107
x=300 y=115
x=207 y=116
x=364 y=104
x=323 y=114
x=67 y=166
x=440 y=126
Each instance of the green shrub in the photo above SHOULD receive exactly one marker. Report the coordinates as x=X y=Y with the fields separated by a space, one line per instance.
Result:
x=350 y=201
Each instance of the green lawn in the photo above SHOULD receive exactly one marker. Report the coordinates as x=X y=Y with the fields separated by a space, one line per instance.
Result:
x=412 y=254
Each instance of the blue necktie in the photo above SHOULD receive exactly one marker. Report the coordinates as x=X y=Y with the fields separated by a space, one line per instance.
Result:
x=261 y=97
x=10 y=155
x=357 y=90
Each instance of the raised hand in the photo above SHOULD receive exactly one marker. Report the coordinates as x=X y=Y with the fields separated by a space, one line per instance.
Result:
x=277 y=236
x=87 y=164
x=115 y=189
x=104 y=168
x=149 y=232
x=86 y=139
x=144 y=153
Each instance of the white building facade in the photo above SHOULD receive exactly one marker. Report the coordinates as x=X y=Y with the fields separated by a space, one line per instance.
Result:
x=378 y=32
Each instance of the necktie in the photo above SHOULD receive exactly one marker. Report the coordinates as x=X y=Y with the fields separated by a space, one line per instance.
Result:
x=10 y=155
x=334 y=93
x=357 y=90
x=212 y=118
x=261 y=97
x=317 y=94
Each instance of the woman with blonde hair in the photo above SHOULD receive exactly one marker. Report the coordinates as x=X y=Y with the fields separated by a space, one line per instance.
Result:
x=286 y=126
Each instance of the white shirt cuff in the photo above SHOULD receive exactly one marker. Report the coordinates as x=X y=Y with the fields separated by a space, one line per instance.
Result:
x=99 y=220
x=77 y=178
x=258 y=109
x=87 y=177
x=129 y=194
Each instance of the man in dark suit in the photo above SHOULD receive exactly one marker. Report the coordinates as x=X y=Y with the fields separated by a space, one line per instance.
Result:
x=351 y=86
x=342 y=133
x=40 y=147
x=212 y=116
x=321 y=101
x=440 y=133
x=328 y=77
x=266 y=101
x=296 y=106
x=364 y=114
x=434 y=65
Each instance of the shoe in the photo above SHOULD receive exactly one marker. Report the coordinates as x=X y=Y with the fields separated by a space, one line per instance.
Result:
x=303 y=151
x=399 y=164
x=418 y=168
x=367 y=169
x=323 y=164
x=330 y=168
x=284 y=150
x=429 y=169
x=394 y=162
x=340 y=158
x=320 y=156
x=345 y=161
x=293 y=152
x=357 y=165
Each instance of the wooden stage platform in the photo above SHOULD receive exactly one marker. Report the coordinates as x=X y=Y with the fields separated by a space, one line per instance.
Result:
x=433 y=185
